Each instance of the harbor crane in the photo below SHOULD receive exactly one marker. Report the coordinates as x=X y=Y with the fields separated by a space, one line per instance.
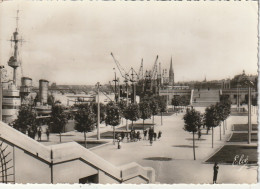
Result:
x=150 y=76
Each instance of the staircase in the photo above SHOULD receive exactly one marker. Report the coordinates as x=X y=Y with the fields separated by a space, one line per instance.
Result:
x=24 y=160
x=6 y=164
x=205 y=97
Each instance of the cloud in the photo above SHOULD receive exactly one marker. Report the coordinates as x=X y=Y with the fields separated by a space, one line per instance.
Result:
x=71 y=42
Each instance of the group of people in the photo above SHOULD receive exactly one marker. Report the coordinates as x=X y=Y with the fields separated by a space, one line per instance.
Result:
x=152 y=136
x=134 y=136
x=32 y=132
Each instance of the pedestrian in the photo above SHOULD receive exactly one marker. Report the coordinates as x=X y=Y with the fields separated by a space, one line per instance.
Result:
x=40 y=134
x=145 y=134
x=119 y=143
x=137 y=135
x=122 y=135
x=151 y=139
x=47 y=133
x=199 y=134
x=151 y=132
x=215 y=176
x=159 y=134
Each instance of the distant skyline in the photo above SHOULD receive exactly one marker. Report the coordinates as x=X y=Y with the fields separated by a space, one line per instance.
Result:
x=70 y=42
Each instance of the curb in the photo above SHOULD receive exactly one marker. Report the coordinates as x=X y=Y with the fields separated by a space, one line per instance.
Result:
x=218 y=149
x=100 y=146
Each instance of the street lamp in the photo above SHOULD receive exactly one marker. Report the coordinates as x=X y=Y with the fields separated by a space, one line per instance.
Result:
x=98 y=111
x=246 y=82
x=126 y=84
x=1 y=93
x=250 y=84
x=115 y=80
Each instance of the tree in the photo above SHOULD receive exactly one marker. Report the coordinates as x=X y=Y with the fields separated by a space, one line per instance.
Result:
x=162 y=105
x=122 y=105
x=192 y=123
x=154 y=107
x=58 y=119
x=113 y=116
x=227 y=109
x=184 y=100
x=132 y=113
x=220 y=107
x=84 y=119
x=211 y=119
x=145 y=111
x=102 y=111
x=26 y=119
x=175 y=101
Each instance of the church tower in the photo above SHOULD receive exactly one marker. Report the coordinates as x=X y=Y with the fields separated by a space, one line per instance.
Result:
x=171 y=75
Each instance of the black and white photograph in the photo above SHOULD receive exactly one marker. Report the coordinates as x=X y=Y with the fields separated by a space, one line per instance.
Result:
x=128 y=92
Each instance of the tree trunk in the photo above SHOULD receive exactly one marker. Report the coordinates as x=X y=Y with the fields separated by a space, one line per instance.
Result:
x=60 y=136
x=85 y=141
x=161 y=119
x=132 y=125
x=153 y=119
x=212 y=136
x=224 y=127
x=114 y=135
x=194 y=146
x=143 y=124
x=220 y=131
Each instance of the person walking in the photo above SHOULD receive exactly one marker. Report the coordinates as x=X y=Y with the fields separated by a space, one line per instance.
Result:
x=151 y=139
x=40 y=134
x=151 y=136
x=159 y=134
x=199 y=134
x=215 y=176
x=119 y=142
x=145 y=134
x=47 y=133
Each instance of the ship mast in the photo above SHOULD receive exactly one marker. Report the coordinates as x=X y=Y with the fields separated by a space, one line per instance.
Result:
x=13 y=61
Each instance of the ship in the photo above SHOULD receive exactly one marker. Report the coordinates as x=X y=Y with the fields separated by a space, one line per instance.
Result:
x=15 y=96
x=11 y=95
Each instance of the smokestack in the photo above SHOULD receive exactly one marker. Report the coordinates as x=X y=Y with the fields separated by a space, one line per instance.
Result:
x=43 y=91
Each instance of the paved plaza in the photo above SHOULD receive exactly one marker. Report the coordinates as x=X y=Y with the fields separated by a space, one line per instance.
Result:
x=172 y=155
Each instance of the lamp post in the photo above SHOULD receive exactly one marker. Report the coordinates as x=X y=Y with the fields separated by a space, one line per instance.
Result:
x=1 y=94
x=98 y=112
x=249 y=114
x=250 y=83
x=115 y=80
x=126 y=84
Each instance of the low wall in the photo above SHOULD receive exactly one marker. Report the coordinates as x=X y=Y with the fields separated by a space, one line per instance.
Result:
x=63 y=163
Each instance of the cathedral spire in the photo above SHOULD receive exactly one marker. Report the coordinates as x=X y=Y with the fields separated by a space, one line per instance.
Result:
x=171 y=75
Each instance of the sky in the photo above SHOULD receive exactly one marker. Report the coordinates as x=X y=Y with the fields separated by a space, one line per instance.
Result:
x=70 y=42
